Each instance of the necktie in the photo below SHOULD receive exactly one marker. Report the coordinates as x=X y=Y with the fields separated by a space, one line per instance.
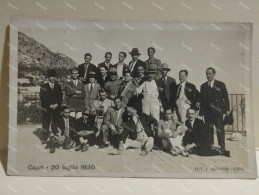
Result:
x=179 y=91
x=91 y=87
x=52 y=86
x=66 y=128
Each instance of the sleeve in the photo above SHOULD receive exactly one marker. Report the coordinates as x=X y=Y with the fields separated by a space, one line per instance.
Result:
x=226 y=100
x=69 y=91
x=107 y=118
x=43 y=97
x=140 y=88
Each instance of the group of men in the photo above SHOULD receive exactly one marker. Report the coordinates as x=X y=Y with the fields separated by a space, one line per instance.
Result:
x=134 y=106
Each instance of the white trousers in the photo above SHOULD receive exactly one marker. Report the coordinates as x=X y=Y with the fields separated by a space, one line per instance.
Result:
x=150 y=106
x=182 y=108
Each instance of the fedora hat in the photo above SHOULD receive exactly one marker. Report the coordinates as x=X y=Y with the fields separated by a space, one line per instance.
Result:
x=152 y=69
x=134 y=51
x=164 y=66
x=91 y=75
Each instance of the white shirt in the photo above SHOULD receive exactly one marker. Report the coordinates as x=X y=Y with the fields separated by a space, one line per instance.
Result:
x=133 y=65
x=51 y=85
x=181 y=93
x=86 y=68
x=149 y=87
x=107 y=65
x=90 y=86
x=66 y=126
x=192 y=122
x=211 y=83
x=120 y=69
x=75 y=82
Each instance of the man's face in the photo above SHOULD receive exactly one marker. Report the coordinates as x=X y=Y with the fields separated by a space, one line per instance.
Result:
x=75 y=74
x=102 y=95
x=140 y=71
x=121 y=57
x=134 y=57
x=128 y=78
x=52 y=79
x=88 y=59
x=210 y=75
x=151 y=75
x=117 y=103
x=164 y=72
x=168 y=115
x=66 y=113
x=182 y=77
x=150 y=53
x=108 y=58
x=103 y=71
x=91 y=80
x=191 y=115
x=113 y=77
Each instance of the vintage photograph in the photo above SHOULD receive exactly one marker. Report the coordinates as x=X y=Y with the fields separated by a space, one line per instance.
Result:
x=130 y=99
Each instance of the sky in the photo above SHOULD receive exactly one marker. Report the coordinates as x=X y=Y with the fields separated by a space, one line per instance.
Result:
x=195 y=47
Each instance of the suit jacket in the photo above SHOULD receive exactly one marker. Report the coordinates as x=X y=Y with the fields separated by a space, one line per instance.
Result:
x=158 y=64
x=126 y=93
x=50 y=96
x=134 y=70
x=199 y=132
x=111 y=118
x=81 y=70
x=168 y=93
x=91 y=96
x=124 y=69
x=191 y=93
x=104 y=65
x=75 y=101
x=89 y=126
x=146 y=122
x=61 y=125
x=218 y=102
x=97 y=103
x=112 y=88
x=102 y=81
x=162 y=126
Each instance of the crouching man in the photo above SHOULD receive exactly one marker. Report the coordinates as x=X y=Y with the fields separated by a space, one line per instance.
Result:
x=171 y=135
x=138 y=132
x=85 y=129
x=60 y=134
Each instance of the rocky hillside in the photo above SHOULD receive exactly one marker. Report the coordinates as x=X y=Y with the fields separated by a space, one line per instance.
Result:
x=34 y=59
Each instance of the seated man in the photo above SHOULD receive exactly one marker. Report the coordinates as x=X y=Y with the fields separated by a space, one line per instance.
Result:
x=171 y=135
x=61 y=129
x=84 y=134
x=113 y=124
x=138 y=132
x=196 y=138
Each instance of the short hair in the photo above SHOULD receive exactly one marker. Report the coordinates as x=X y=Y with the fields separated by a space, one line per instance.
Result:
x=210 y=68
x=88 y=54
x=108 y=53
x=65 y=107
x=185 y=71
x=141 y=65
x=191 y=108
x=74 y=69
x=124 y=53
x=117 y=98
x=152 y=49
x=168 y=108
x=102 y=90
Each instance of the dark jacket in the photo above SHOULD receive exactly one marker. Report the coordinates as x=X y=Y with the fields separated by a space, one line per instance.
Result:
x=81 y=70
x=125 y=68
x=134 y=70
x=50 y=96
x=61 y=125
x=190 y=91
x=217 y=101
x=89 y=126
x=168 y=93
x=104 y=65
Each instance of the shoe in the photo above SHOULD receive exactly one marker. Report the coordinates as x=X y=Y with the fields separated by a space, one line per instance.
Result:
x=52 y=150
x=185 y=154
x=85 y=147
x=226 y=153
x=104 y=145
x=120 y=148
x=173 y=152
x=78 y=147
x=143 y=152
x=52 y=144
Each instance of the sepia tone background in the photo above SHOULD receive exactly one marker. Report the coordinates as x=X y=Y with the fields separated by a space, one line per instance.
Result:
x=127 y=10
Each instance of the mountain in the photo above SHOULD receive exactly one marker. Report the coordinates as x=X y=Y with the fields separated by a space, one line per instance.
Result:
x=34 y=59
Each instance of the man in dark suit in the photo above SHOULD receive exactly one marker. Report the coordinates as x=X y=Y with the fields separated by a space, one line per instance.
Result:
x=138 y=132
x=214 y=105
x=186 y=96
x=51 y=98
x=107 y=62
x=120 y=67
x=85 y=129
x=135 y=61
x=75 y=96
x=61 y=129
x=152 y=60
x=140 y=78
x=167 y=87
x=196 y=138
x=102 y=76
x=85 y=68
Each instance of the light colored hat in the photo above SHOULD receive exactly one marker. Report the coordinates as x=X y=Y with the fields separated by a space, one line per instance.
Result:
x=165 y=67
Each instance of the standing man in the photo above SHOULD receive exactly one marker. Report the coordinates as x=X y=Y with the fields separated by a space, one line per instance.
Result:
x=91 y=90
x=214 y=105
x=112 y=87
x=186 y=96
x=140 y=77
x=167 y=87
x=51 y=98
x=75 y=96
x=196 y=138
x=85 y=68
x=135 y=61
x=152 y=60
x=102 y=76
x=107 y=62
x=113 y=124
x=149 y=90
x=120 y=67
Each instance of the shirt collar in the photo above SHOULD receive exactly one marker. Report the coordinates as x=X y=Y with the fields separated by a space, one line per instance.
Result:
x=211 y=82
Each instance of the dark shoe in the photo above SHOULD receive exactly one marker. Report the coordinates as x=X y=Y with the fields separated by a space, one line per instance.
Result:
x=84 y=148
x=52 y=150
x=103 y=145
x=226 y=153
x=120 y=148
x=78 y=147
x=143 y=153
x=52 y=144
